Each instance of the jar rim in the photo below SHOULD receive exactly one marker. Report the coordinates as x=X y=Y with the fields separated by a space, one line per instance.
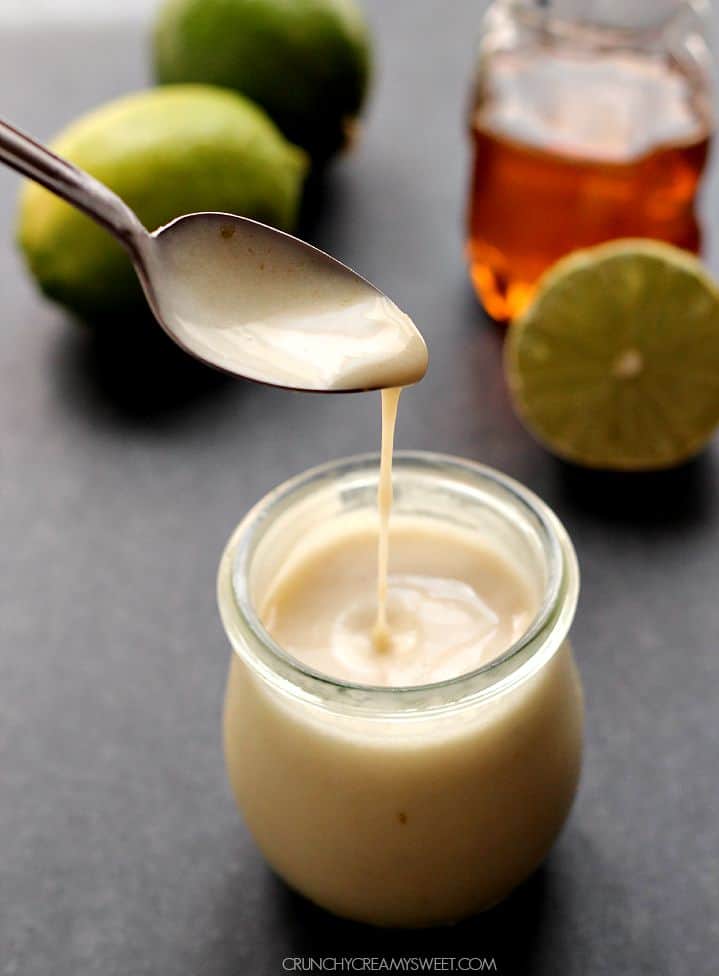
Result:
x=242 y=622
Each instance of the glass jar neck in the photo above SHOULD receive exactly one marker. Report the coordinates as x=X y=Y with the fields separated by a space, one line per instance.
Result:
x=434 y=486
x=614 y=15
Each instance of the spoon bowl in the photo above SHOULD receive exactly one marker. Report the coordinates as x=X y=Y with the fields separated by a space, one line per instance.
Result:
x=254 y=301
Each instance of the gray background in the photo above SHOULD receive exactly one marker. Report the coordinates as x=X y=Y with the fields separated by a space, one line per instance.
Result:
x=121 y=477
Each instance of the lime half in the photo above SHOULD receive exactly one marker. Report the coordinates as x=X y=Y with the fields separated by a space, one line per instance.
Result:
x=616 y=362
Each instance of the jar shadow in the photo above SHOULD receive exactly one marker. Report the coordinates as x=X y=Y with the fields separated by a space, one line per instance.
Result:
x=576 y=914
x=310 y=931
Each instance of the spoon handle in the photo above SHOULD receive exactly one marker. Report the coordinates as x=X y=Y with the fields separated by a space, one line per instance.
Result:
x=22 y=153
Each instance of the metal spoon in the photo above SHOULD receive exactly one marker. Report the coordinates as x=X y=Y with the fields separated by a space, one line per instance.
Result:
x=242 y=296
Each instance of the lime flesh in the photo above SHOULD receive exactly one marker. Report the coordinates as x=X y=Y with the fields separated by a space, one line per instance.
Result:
x=616 y=362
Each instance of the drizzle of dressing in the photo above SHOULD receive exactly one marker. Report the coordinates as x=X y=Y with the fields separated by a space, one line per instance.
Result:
x=260 y=305
x=381 y=634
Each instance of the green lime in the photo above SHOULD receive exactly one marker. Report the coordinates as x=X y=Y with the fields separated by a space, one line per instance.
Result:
x=307 y=62
x=166 y=152
x=615 y=364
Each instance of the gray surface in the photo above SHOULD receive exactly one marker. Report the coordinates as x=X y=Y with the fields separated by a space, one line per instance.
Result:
x=120 y=849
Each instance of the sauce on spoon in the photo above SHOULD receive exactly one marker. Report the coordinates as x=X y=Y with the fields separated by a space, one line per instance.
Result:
x=260 y=304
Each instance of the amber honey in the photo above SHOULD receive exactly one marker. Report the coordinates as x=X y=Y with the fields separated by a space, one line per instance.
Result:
x=593 y=167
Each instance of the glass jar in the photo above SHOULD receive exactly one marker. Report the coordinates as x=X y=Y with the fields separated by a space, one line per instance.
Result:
x=590 y=120
x=403 y=806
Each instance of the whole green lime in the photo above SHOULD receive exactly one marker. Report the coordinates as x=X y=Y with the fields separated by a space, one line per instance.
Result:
x=307 y=62
x=165 y=152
